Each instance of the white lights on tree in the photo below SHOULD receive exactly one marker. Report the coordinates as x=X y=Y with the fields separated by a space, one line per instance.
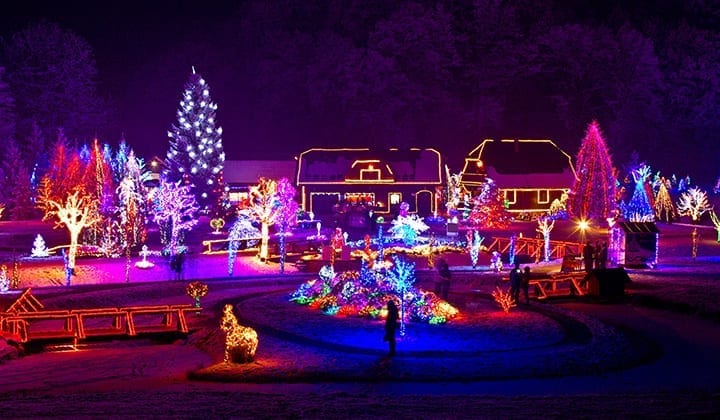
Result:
x=77 y=212
x=693 y=203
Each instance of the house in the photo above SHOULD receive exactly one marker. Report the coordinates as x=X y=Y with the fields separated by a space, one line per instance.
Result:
x=240 y=175
x=378 y=179
x=531 y=173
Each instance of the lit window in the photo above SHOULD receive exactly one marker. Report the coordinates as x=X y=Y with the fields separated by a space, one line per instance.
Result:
x=395 y=198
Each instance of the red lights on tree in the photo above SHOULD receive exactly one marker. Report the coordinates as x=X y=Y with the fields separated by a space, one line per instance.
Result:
x=593 y=193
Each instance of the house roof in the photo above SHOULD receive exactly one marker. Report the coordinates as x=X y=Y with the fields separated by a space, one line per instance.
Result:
x=519 y=163
x=337 y=166
x=249 y=171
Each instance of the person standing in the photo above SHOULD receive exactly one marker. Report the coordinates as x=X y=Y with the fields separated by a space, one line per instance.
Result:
x=391 y=325
x=442 y=287
x=602 y=256
x=526 y=284
x=588 y=255
x=515 y=282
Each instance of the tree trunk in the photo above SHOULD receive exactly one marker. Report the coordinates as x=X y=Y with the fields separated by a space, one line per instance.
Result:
x=265 y=236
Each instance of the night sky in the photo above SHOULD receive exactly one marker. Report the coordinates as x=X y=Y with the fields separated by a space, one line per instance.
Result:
x=273 y=101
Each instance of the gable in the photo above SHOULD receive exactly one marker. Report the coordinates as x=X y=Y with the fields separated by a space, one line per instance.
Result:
x=337 y=166
x=519 y=163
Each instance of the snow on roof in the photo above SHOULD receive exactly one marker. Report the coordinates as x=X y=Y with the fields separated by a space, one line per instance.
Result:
x=333 y=165
x=520 y=163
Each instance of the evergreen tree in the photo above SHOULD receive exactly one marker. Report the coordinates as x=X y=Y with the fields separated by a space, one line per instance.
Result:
x=639 y=208
x=489 y=210
x=593 y=193
x=664 y=207
x=7 y=110
x=16 y=183
x=196 y=154
x=120 y=161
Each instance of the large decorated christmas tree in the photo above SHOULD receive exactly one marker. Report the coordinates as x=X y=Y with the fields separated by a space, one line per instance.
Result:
x=196 y=152
x=593 y=193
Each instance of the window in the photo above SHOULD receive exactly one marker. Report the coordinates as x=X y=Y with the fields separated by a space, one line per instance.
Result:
x=395 y=198
x=511 y=196
x=543 y=196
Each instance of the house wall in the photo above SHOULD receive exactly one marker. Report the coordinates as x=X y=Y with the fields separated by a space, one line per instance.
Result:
x=524 y=200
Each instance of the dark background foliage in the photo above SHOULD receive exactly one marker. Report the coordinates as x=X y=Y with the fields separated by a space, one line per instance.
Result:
x=293 y=74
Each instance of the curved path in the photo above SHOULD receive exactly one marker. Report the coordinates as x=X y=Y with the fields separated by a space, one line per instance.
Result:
x=150 y=380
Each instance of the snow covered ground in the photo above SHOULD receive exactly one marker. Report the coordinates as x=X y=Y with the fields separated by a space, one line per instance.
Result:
x=652 y=354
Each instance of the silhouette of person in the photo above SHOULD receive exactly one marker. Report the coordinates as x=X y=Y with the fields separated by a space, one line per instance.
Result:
x=588 y=255
x=526 y=284
x=515 y=282
x=391 y=325
x=442 y=287
x=602 y=256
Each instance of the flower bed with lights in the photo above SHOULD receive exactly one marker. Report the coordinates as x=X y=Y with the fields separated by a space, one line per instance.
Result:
x=366 y=293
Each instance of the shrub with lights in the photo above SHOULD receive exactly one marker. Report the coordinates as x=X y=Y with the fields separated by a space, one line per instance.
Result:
x=407 y=227
x=365 y=293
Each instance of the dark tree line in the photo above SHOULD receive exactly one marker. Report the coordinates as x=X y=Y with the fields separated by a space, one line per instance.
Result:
x=442 y=74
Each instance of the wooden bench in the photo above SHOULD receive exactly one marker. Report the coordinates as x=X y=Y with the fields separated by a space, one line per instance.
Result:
x=42 y=325
x=157 y=319
x=98 y=322
x=545 y=287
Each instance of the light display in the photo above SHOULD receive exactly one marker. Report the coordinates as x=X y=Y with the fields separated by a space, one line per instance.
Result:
x=639 y=208
x=504 y=299
x=693 y=203
x=240 y=342
x=474 y=241
x=489 y=210
x=39 y=249
x=196 y=154
x=217 y=224
x=197 y=290
x=77 y=212
x=144 y=263
x=716 y=222
x=265 y=207
x=4 y=280
x=511 y=249
x=545 y=226
x=365 y=294
x=174 y=209
x=496 y=263
x=593 y=193
x=664 y=207
x=407 y=227
x=242 y=229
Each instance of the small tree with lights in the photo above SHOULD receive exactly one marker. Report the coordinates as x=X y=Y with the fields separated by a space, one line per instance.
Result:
x=693 y=203
x=406 y=227
x=265 y=207
x=287 y=217
x=174 y=209
x=639 y=209
x=545 y=226
x=489 y=210
x=593 y=192
x=664 y=207
x=77 y=212
x=196 y=154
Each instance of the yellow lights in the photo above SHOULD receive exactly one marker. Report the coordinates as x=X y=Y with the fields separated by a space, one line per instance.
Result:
x=504 y=299
x=583 y=225
x=240 y=342
x=479 y=164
